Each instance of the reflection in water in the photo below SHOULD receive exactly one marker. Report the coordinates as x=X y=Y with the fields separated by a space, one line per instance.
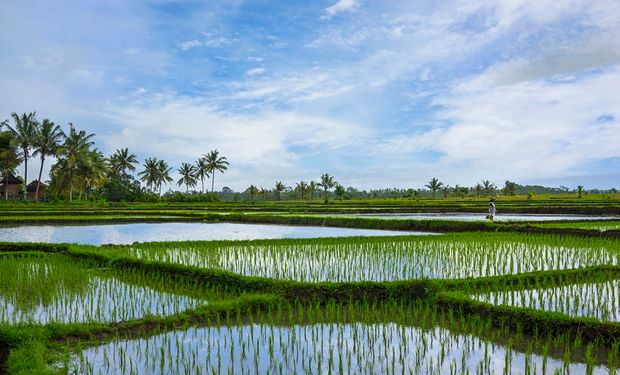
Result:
x=55 y=289
x=594 y=300
x=360 y=348
x=142 y=232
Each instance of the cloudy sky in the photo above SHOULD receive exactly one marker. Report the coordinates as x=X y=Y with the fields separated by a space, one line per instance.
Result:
x=377 y=93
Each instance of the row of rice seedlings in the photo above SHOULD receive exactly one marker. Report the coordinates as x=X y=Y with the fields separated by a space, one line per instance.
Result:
x=64 y=218
x=357 y=259
x=594 y=225
x=57 y=289
x=600 y=300
x=357 y=338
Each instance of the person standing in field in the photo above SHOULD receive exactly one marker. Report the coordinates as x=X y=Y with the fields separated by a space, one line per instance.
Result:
x=491 y=209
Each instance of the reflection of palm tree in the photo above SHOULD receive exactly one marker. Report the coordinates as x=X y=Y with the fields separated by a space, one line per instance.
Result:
x=9 y=158
x=202 y=172
x=47 y=141
x=25 y=131
x=434 y=184
x=188 y=176
x=74 y=150
x=216 y=163
x=122 y=161
x=150 y=173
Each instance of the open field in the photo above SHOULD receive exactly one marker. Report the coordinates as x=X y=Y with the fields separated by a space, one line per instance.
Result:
x=480 y=297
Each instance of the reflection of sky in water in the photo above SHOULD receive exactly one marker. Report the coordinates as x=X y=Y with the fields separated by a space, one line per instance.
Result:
x=318 y=348
x=142 y=232
x=482 y=217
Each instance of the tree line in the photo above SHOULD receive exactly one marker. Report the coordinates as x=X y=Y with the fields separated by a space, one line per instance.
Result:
x=82 y=168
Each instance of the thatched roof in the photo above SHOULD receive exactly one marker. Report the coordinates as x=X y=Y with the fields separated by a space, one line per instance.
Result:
x=12 y=180
x=32 y=186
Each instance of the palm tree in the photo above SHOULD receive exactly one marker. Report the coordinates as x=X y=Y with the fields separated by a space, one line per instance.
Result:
x=579 y=191
x=488 y=187
x=327 y=182
x=434 y=184
x=188 y=176
x=264 y=193
x=9 y=157
x=75 y=149
x=121 y=161
x=478 y=189
x=150 y=173
x=446 y=190
x=24 y=130
x=47 y=141
x=312 y=188
x=252 y=190
x=302 y=187
x=91 y=171
x=163 y=174
x=339 y=191
x=510 y=188
x=215 y=163
x=202 y=172
x=280 y=187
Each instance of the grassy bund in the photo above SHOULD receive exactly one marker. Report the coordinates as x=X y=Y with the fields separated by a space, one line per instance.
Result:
x=484 y=297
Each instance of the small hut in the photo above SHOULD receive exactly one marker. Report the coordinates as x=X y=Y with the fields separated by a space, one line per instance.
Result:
x=31 y=190
x=10 y=189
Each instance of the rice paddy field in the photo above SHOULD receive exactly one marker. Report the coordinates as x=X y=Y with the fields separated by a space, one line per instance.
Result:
x=478 y=298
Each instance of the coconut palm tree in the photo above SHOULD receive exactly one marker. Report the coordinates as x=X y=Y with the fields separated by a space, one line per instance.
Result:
x=121 y=162
x=74 y=150
x=252 y=190
x=488 y=187
x=91 y=172
x=302 y=187
x=9 y=157
x=280 y=187
x=434 y=184
x=215 y=163
x=579 y=191
x=188 y=176
x=312 y=188
x=339 y=191
x=163 y=174
x=47 y=142
x=25 y=131
x=478 y=188
x=150 y=173
x=327 y=182
x=202 y=172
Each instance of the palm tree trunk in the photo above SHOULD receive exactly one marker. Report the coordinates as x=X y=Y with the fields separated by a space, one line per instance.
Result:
x=212 y=181
x=202 y=181
x=36 y=193
x=6 y=186
x=70 y=186
x=25 y=173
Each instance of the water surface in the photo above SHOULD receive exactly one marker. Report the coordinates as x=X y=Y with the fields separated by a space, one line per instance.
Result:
x=150 y=232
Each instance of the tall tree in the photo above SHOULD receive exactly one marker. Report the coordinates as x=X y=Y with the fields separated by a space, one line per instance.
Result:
x=91 y=172
x=312 y=188
x=47 y=141
x=446 y=191
x=9 y=157
x=121 y=162
x=510 y=188
x=163 y=174
x=327 y=182
x=434 y=184
x=252 y=190
x=339 y=191
x=478 y=188
x=150 y=174
x=579 y=191
x=25 y=131
x=302 y=187
x=202 y=172
x=488 y=187
x=216 y=163
x=75 y=149
x=280 y=187
x=188 y=176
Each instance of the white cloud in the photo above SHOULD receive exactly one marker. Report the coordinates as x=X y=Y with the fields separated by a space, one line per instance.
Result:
x=255 y=72
x=341 y=6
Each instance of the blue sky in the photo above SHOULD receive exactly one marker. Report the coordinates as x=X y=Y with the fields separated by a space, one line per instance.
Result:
x=377 y=93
